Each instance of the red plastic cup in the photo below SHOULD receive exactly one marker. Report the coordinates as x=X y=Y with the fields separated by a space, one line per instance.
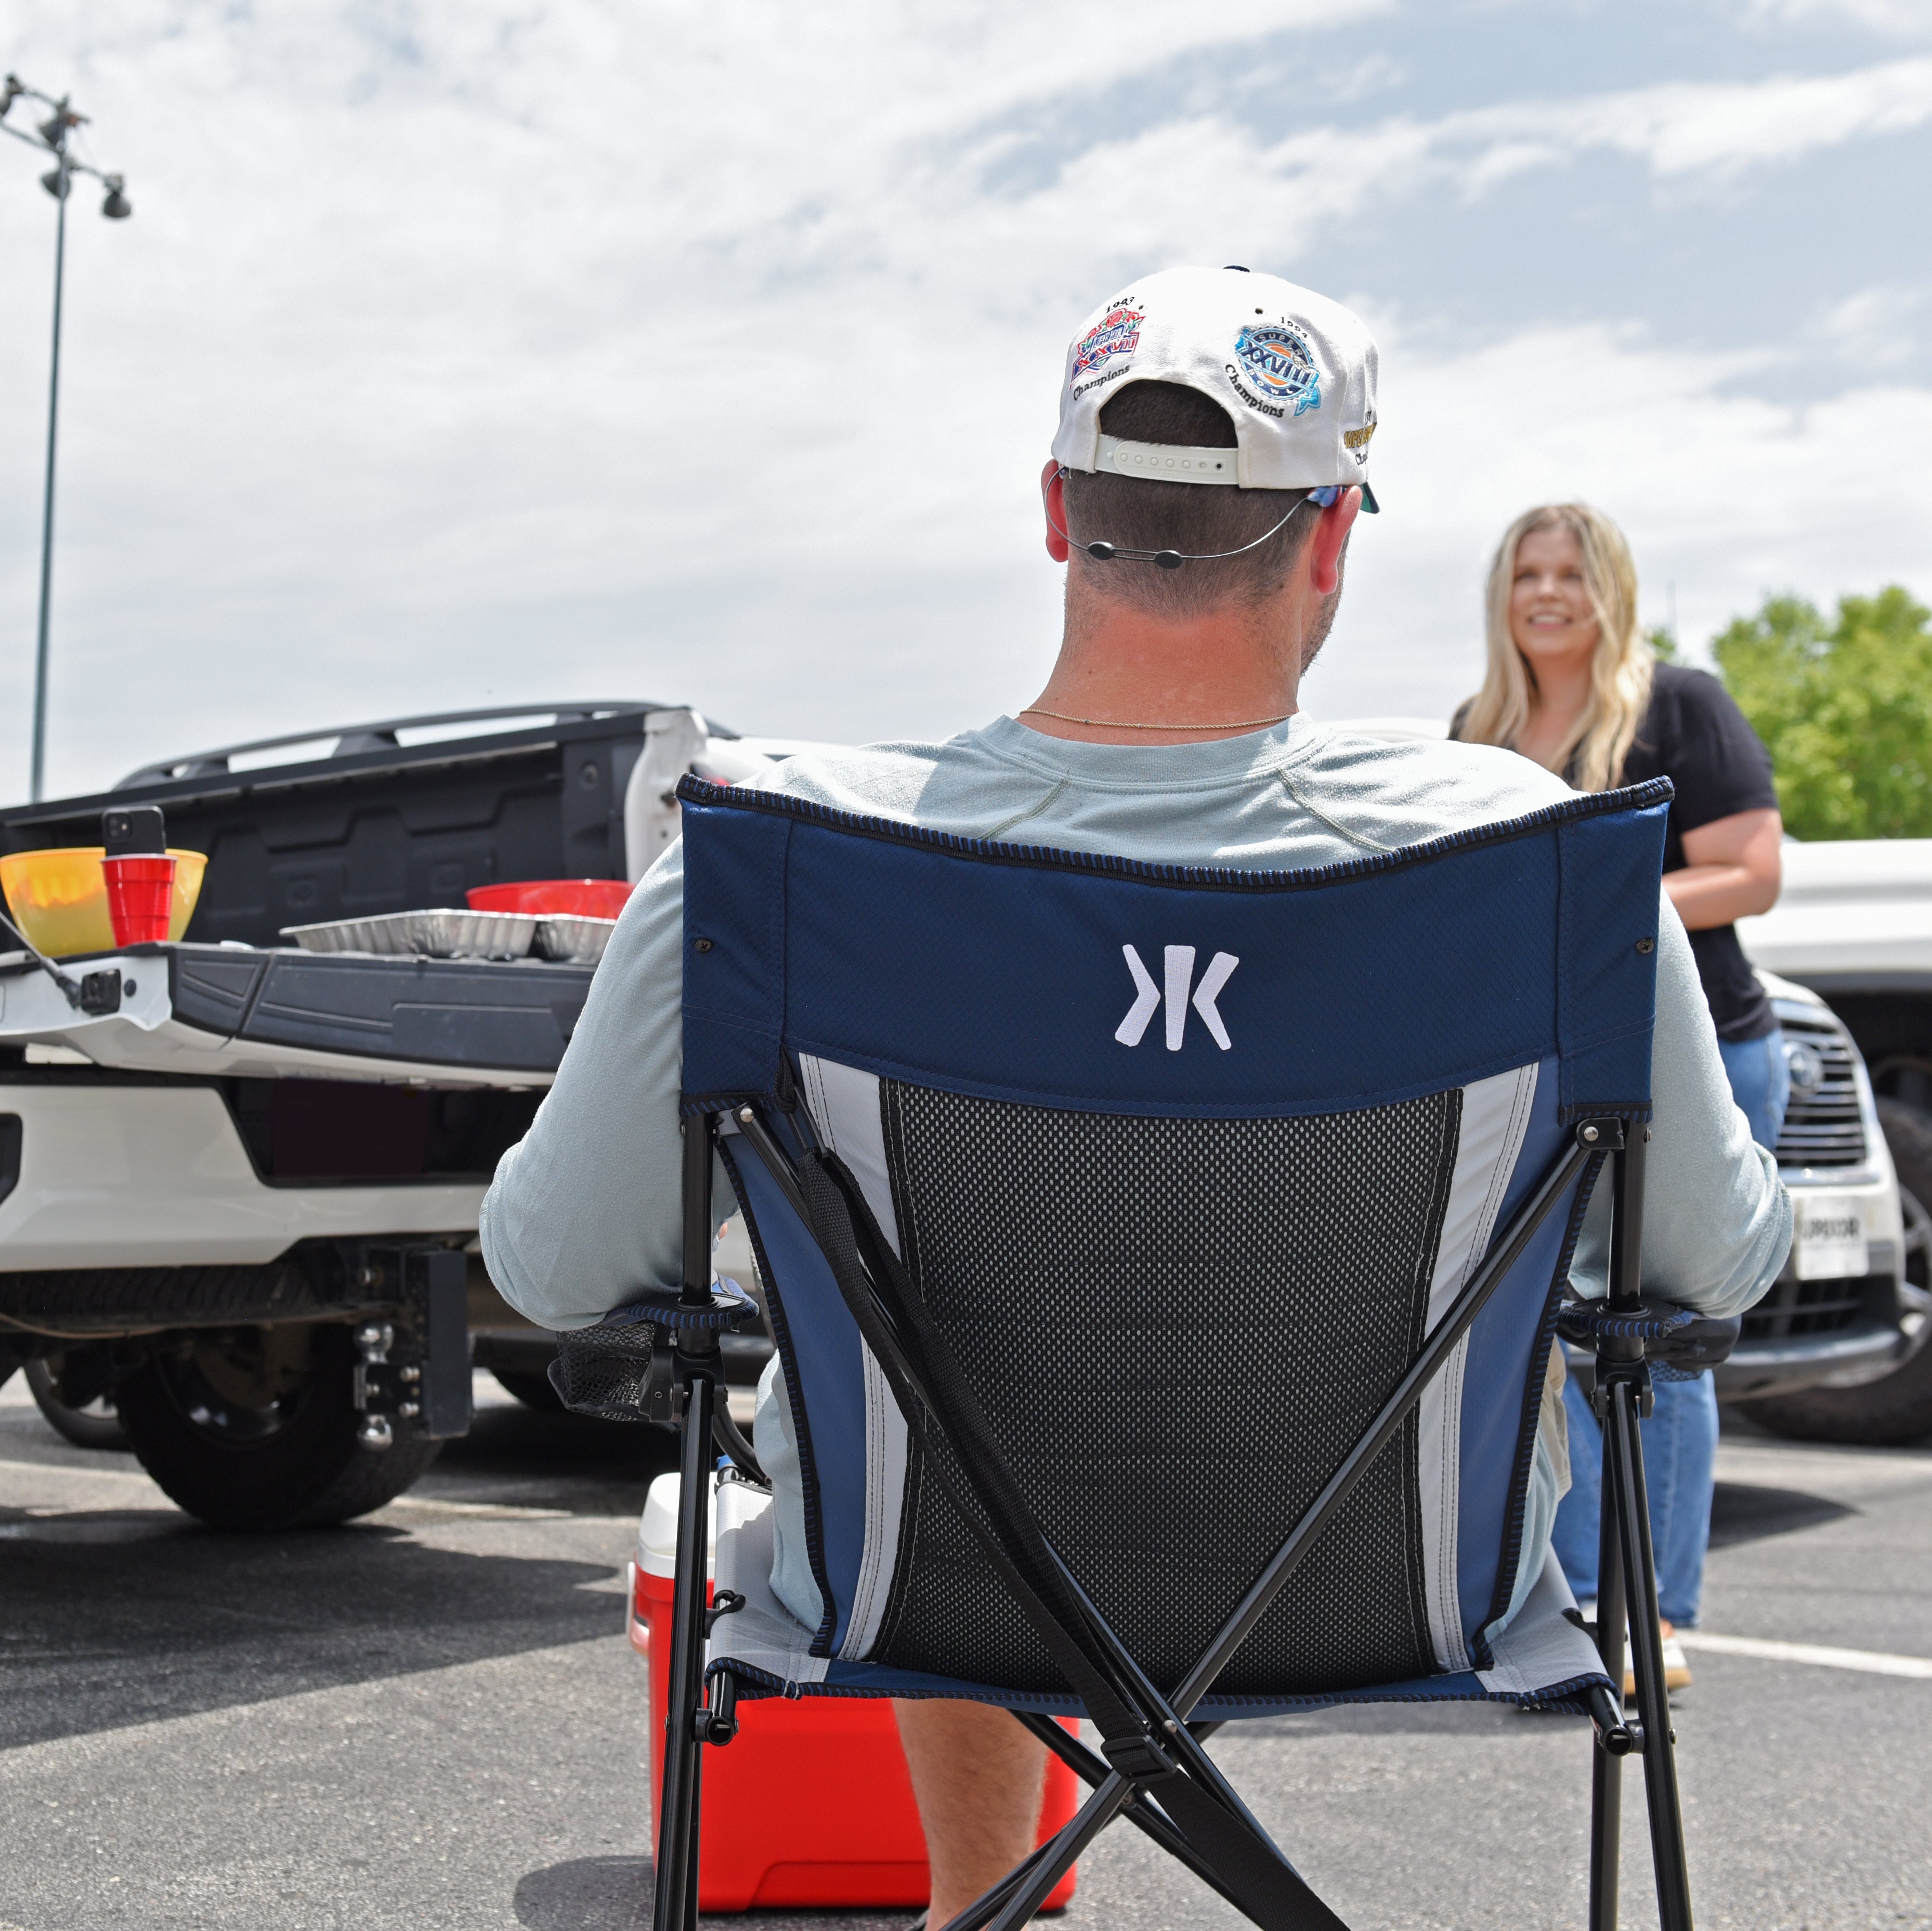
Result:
x=140 y=897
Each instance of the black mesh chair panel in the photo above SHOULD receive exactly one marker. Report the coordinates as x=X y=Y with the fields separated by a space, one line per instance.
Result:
x=1179 y=1320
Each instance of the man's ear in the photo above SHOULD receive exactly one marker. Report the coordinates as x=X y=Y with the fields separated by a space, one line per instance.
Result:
x=1324 y=546
x=1053 y=498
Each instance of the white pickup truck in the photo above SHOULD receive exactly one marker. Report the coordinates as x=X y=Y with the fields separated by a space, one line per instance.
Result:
x=1855 y=927
x=239 y=1179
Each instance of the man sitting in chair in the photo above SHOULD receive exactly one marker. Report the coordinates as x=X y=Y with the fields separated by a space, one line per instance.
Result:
x=1214 y=436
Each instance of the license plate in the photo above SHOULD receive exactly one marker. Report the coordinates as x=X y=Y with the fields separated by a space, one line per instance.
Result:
x=1829 y=1238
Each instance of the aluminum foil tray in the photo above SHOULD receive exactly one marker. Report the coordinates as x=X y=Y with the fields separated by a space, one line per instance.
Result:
x=574 y=941
x=437 y=933
x=389 y=933
x=473 y=935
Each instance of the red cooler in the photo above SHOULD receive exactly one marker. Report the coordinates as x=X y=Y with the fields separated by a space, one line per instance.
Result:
x=810 y=1804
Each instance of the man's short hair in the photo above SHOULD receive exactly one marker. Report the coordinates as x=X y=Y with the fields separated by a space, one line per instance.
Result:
x=1195 y=518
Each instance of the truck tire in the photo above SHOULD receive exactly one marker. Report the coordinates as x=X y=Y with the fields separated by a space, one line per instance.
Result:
x=1897 y=1409
x=257 y=1429
x=95 y=1426
x=534 y=1391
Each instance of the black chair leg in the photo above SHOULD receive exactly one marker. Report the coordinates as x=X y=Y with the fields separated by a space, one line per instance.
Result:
x=693 y=1847
x=990 y=1903
x=676 y=1895
x=1606 y=1781
x=1054 y=1859
x=1623 y=1466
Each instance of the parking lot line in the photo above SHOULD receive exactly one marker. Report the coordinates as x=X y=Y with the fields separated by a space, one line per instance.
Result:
x=499 y=1512
x=1873 y=1663
x=7 y=1466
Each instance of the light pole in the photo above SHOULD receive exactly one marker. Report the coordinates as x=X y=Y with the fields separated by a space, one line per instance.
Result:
x=51 y=136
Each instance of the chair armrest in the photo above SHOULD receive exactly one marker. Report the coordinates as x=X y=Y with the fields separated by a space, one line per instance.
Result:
x=1672 y=1336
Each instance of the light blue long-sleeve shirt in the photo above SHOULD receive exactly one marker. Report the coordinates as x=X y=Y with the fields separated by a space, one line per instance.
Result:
x=585 y=1213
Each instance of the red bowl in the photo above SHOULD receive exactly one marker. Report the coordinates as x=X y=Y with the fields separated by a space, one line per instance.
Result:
x=564 y=898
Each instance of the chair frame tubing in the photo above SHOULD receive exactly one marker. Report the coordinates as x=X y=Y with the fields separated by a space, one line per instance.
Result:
x=1625 y=1555
x=1182 y=1800
x=697 y=1358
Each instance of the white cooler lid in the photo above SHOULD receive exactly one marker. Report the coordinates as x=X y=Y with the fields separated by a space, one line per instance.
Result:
x=657 y=1529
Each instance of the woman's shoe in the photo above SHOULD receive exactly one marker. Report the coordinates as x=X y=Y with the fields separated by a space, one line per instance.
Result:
x=1676 y=1666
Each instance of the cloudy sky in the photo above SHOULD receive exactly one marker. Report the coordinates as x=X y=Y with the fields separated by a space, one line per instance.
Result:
x=472 y=352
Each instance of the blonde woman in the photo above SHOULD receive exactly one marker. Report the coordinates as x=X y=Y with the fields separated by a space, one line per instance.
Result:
x=1571 y=684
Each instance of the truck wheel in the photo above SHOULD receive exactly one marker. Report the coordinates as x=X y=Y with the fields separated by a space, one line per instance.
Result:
x=1897 y=1409
x=534 y=1391
x=256 y=1428
x=94 y=1425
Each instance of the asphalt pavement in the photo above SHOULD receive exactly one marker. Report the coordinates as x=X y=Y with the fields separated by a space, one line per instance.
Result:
x=432 y=1719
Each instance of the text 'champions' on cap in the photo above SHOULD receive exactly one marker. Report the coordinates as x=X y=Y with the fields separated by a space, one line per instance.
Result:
x=1295 y=371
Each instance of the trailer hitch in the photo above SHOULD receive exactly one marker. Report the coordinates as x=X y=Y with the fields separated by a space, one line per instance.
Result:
x=428 y=1387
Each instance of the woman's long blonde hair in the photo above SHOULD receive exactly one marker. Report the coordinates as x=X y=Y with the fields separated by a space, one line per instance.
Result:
x=1592 y=756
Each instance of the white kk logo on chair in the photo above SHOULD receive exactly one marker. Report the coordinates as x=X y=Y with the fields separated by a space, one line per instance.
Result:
x=1179 y=961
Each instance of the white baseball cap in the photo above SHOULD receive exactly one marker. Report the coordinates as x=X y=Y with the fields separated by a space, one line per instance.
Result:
x=1295 y=372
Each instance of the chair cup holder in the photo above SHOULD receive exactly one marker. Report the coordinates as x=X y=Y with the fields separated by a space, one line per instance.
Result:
x=605 y=1372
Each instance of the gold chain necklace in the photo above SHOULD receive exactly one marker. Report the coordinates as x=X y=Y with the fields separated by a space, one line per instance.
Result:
x=1114 y=724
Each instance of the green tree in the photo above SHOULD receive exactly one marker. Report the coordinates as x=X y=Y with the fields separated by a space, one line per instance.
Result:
x=1846 y=708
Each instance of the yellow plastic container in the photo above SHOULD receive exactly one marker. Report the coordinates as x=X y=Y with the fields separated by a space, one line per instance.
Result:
x=58 y=899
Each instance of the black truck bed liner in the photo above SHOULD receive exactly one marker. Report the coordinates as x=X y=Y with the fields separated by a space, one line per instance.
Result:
x=379 y=825
x=447 y=1012
x=232 y=1010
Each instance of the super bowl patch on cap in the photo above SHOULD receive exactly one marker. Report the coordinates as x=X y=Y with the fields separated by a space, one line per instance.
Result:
x=1116 y=333
x=1274 y=368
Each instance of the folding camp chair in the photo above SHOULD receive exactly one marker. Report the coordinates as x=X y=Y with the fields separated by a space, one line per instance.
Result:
x=1164 y=1263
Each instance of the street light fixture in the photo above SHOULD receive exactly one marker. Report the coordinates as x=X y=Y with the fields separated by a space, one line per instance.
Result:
x=51 y=136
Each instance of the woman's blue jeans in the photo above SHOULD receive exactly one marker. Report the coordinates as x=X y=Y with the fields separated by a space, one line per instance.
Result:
x=1680 y=1439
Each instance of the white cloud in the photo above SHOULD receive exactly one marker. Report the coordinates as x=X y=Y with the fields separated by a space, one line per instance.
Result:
x=1907 y=18
x=475 y=353
x=1874 y=328
x=1676 y=130
x=1683 y=128
x=1727 y=494
x=1376 y=74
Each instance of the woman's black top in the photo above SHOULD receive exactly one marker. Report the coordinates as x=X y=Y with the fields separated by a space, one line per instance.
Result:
x=1694 y=734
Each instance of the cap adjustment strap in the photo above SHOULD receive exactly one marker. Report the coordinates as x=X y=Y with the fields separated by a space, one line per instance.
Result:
x=1167 y=462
